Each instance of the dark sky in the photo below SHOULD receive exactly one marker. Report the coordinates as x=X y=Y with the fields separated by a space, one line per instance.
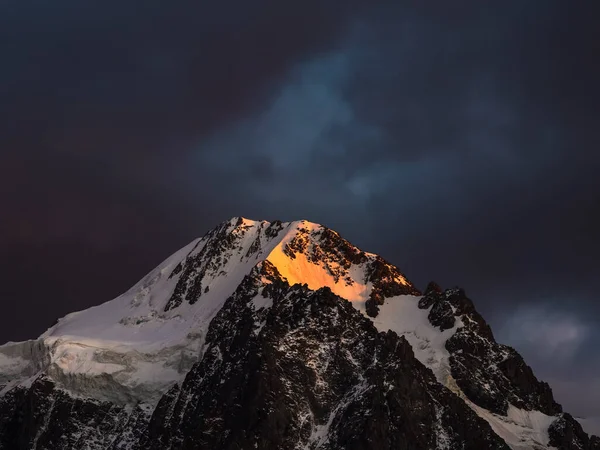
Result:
x=459 y=140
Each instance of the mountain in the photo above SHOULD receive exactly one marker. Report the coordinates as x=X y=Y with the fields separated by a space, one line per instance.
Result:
x=277 y=336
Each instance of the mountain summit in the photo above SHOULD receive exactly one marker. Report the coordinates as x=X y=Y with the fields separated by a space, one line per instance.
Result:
x=276 y=336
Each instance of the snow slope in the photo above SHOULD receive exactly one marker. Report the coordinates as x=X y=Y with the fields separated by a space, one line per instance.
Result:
x=520 y=429
x=402 y=315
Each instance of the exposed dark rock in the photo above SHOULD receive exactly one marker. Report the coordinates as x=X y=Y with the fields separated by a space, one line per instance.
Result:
x=177 y=270
x=315 y=361
x=46 y=418
x=273 y=229
x=566 y=434
x=218 y=246
x=433 y=288
x=387 y=282
x=334 y=245
x=254 y=248
x=490 y=374
x=427 y=301
x=441 y=316
x=371 y=305
x=464 y=306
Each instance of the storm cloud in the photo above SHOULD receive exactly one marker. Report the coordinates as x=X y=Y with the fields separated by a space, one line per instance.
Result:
x=459 y=141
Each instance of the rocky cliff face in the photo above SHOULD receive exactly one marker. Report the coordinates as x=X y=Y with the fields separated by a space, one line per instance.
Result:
x=277 y=336
x=304 y=369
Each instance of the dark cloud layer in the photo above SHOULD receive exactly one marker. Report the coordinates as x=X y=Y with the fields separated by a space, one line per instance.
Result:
x=459 y=140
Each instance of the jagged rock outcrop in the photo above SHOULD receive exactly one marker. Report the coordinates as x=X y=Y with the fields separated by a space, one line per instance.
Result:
x=491 y=375
x=566 y=434
x=45 y=417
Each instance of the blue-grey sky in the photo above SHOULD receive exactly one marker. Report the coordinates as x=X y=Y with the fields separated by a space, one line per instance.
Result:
x=459 y=140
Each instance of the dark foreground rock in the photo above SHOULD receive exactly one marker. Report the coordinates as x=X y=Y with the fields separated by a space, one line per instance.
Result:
x=310 y=372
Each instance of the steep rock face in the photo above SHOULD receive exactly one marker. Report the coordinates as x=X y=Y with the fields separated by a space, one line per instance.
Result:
x=491 y=375
x=215 y=250
x=566 y=434
x=276 y=335
x=303 y=369
x=43 y=417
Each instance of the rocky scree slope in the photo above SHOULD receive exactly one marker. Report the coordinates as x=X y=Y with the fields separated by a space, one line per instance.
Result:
x=276 y=336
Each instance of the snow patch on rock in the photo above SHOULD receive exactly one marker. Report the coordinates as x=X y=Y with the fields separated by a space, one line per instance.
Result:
x=402 y=315
x=520 y=429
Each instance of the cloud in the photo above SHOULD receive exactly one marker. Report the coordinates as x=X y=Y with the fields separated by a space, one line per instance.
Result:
x=580 y=396
x=548 y=333
x=286 y=152
x=560 y=343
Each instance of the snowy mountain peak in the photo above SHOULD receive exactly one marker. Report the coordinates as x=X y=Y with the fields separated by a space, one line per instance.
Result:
x=118 y=346
x=283 y=317
x=302 y=251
